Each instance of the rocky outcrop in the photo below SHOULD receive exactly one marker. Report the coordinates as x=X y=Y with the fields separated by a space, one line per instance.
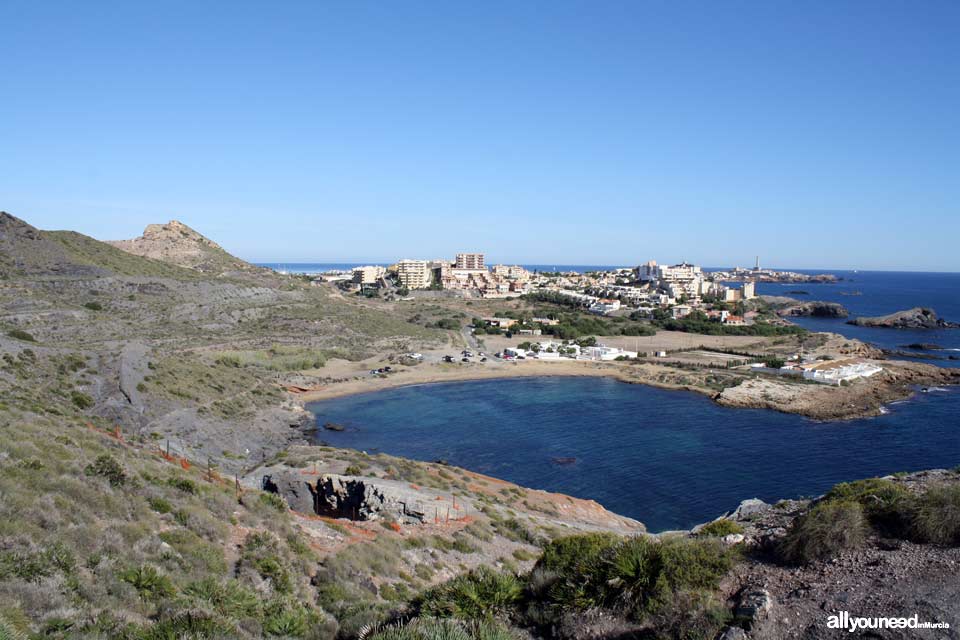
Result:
x=176 y=243
x=354 y=498
x=916 y=318
x=816 y=309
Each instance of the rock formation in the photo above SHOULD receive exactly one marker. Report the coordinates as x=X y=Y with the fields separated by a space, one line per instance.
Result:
x=916 y=318
x=176 y=243
x=816 y=309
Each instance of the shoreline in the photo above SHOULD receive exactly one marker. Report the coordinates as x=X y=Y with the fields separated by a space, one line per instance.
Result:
x=865 y=399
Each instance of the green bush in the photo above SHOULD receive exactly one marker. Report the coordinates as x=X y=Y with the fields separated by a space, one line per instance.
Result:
x=937 y=516
x=94 y=306
x=195 y=625
x=480 y=594
x=107 y=467
x=19 y=334
x=720 y=528
x=441 y=629
x=183 y=484
x=571 y=571
x=830 y=527
x=149 y=583
x=81 y=400
x=647 y=574
x=352 y=470
x=229 y=598
x=160 y=505
x=274 y=501
x=888 y=505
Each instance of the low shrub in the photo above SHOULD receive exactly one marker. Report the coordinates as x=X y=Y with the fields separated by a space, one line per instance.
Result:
x=480 y=594
x=646 y=575
x=937 y=516
x=107 y=467
x=887 y=505
x=720 y=528
x=81 y=400
x=20 y=334
x=93 y=306
x=149 y=583
x=440 y=629
x=274 y=501
x=160 y=505
x=183 y=484
x=830 y=527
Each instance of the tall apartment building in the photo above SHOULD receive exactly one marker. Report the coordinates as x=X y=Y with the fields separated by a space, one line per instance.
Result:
x=470 y=262
x=414 y=274
x=368 y=274
x=681 y=279
x=648 y=272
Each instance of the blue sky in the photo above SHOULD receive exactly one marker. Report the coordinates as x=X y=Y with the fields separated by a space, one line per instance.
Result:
x=817 y=134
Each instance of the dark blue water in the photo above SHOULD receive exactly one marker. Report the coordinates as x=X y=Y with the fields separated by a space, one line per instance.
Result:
x=669 y=459
x=883 y=293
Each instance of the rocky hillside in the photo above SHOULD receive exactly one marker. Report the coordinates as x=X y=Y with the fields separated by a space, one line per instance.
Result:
x=176 y=243
x=156 y=482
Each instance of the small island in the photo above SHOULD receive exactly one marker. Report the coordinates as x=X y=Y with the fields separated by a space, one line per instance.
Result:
x=916 y=318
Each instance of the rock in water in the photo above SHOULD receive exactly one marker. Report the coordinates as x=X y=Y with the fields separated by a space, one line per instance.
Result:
x=333 y=426
x=916 y=318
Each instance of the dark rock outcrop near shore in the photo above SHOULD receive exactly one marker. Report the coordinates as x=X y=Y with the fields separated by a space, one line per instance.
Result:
x=916 y=318
x=816 y=309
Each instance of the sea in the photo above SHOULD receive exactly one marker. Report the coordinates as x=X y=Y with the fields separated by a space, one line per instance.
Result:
x=672 y=459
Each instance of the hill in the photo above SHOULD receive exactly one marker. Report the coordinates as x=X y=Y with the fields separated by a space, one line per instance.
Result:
x=25 y=250
x=176 y=243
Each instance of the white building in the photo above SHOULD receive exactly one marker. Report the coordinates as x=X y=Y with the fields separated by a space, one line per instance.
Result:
x=603 y=307
x=368 y=275
x=603 y=352
x=414 y=274
x=837 y=371
x=681 y=279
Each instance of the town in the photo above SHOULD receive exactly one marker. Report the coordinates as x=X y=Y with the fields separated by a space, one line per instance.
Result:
x=641 y=300
x=680 y=289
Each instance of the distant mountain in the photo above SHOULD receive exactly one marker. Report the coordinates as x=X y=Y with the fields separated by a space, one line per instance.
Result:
x=28 y=251
x=176 y=243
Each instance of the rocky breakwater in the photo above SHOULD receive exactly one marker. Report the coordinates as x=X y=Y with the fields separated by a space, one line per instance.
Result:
x=916 y=318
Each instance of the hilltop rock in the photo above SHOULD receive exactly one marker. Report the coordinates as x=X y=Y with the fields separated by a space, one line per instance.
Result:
x=176 y=243
x=816 y=309
x=916 y=318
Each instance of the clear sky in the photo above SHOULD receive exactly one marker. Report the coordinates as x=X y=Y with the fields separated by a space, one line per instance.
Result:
x=817 y=134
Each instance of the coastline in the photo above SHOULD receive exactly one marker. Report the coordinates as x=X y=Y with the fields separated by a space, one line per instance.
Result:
x=819 y=402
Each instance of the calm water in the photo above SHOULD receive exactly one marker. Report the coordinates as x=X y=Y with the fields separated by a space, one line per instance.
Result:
x=669 y=459
x=883 y=293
